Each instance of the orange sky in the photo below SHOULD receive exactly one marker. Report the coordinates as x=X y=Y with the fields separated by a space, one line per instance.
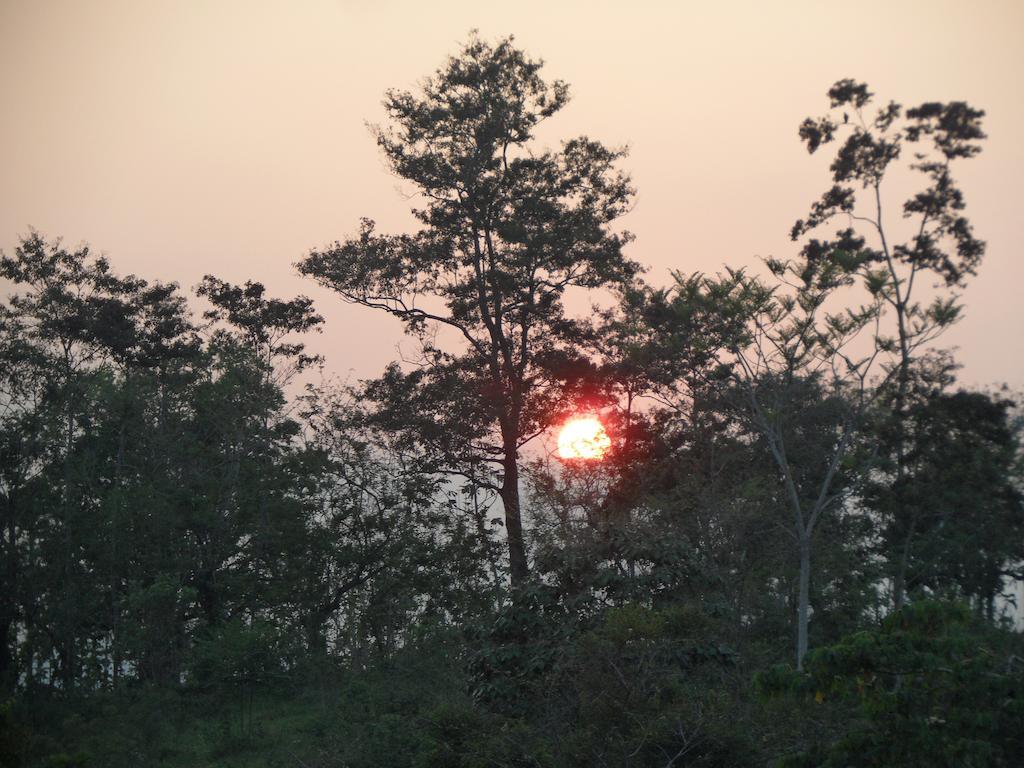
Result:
x=184 y=137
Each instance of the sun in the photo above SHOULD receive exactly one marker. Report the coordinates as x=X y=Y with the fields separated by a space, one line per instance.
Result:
x=583 y=437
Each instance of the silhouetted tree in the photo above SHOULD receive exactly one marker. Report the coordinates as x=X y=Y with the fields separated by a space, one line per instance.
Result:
x=942 y=241
x=961 y=504
x=506 y=232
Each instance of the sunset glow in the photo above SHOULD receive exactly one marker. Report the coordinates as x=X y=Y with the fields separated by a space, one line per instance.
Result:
x=583 y=437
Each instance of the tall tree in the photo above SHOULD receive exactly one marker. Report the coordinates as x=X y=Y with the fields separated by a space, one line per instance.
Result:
x=940 y=242
x=781 y=372
x=961 y=507
x=82 y=344
x=506 y=231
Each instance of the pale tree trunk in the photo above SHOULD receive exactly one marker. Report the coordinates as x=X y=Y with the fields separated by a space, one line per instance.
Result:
x=803 y=600
x=899 y=581
x=804 y=520
x=900 y=577
x=901 y=302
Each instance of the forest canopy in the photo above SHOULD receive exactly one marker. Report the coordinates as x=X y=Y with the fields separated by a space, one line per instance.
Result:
x=797 y=545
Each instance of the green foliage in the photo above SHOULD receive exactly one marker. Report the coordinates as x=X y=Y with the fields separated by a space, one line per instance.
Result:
x=514 y=651
x=932 y=686
x=953 y=529
x=238 y=654
x=630 y=685
x=13 y=738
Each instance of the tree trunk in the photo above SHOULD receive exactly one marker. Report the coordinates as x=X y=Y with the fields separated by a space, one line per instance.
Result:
x=8 y=600
x=209 y=601
x=899 y=582
x=903 y=382
x=66 y=668
x=8 y=675
x=803 y=600
x=513 y=517
x=316 y=638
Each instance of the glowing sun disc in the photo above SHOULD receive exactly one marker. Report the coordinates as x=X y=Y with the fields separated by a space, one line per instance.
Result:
x=583 y=437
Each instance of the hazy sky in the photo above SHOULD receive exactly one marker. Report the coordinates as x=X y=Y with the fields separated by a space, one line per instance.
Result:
x=186 y=137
